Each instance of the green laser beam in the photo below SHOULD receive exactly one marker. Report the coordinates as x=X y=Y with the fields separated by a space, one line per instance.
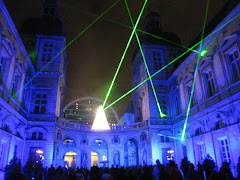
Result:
x=130 y=27
x=140 y=47
x=124 y=53
x=172 y=137
x=195 y=73
x=68 y=45
x=75 y=114
x=131 y=90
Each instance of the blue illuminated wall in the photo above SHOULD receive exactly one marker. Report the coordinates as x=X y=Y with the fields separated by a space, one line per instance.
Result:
x=31 y=98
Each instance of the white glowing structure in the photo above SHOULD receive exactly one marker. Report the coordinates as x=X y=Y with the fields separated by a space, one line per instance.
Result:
x=100 y=122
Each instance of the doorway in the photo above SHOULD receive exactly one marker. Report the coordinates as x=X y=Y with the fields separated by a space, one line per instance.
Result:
x=70 y=160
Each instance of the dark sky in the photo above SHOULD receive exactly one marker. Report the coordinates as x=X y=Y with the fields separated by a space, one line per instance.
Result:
x=94 y=56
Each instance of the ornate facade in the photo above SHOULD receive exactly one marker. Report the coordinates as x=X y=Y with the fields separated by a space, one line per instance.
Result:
x=32 y=90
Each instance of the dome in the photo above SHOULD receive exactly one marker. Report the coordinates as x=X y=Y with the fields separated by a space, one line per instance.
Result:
x=45 y=25
x=83 y=111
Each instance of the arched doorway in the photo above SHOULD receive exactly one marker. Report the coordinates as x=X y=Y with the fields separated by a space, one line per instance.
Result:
x=94 y=159
x=70 y=160
x=69 y=153
x=131 y=152
x=99 y=153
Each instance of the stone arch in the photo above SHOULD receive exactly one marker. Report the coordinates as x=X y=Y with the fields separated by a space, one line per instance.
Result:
x=237 y=113
x=93 y=99
x=9 y=124
x=166 y=135
x=116 y=158
x=218 y=120
x=197 y=128
x=100 y=149
x=20 y=130
x=131 y=154
x=37 y=130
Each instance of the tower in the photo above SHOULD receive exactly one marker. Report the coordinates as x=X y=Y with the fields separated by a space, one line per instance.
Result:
x=44 y=39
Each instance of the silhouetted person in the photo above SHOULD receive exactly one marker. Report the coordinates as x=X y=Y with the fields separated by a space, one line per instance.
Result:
x=217 y=176
x=225 y=169
x=16 y=176
x=106 y=175
x=200 y=171
x=173 y=172
x=51 y=173
x=192 y=174
x=158 y=171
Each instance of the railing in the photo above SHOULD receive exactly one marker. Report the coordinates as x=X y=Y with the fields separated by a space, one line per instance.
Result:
x=15 y=104
x=68 y=124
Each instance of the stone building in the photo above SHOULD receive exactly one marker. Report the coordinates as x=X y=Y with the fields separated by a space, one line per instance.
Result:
x=32 y=90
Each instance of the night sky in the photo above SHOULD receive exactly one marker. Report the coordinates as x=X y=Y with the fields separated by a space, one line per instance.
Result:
x=94 y=56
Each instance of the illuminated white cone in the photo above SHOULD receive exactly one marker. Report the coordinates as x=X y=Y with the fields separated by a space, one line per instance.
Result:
x=100 y=122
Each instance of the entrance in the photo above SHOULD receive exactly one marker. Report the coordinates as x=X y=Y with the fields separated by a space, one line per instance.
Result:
x=99 y=154
x=70 y=160
x=94 y=159
x=131 y=152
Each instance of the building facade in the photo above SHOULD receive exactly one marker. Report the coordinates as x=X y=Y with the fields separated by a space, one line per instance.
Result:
x=32 y=90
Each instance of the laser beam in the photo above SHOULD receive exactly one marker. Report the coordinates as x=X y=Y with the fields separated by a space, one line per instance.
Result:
x=67 y=46
x=143 y=56
x=124 y=53
x=130 y=27
x=131 y=90
x=195 y=73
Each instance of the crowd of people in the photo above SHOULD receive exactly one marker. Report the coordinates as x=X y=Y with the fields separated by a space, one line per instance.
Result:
x=156 y=172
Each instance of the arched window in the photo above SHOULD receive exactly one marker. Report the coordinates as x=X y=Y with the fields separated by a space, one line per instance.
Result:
x=198 y=131
x=40 y=136
x=220 y=124
x=34 y=135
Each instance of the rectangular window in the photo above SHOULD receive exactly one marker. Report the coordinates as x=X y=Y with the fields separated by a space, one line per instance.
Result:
x=157 y=60
x=15 y=83
x=2 y=155
x=40 y=103
x=47 y=52
x=235 y=64
x=189 y=91
x=162 y=138
x=15 y=150
x=177 y=105
x=1 y=63
x=210 y=83
x=34 y=135
x=40 y=136
x=224 y=147
x=200 y=152
x=185 y=151
x=163 y=102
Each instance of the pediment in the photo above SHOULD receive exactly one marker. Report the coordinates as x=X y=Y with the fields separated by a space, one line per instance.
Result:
x=42 y=85
x=227 y=41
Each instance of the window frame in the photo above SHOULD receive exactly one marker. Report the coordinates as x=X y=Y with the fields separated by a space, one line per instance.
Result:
x=47 y=51
x=42 y=107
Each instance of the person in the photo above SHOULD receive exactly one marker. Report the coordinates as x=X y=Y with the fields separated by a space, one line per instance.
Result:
x=106 y=175
x=158 y=171
x=51 y=173
x=193 y=175
x=173 y=172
